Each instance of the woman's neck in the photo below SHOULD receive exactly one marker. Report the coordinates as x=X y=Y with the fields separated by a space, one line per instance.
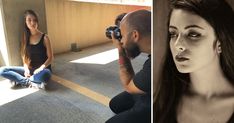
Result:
x=210 y=82
x=34 y=32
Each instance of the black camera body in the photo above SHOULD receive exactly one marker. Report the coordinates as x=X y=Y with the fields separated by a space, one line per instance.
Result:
x=115 y=30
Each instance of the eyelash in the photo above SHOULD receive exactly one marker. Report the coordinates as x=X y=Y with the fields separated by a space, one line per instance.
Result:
x=194 y=35
x=172 y=34
x=190 y=35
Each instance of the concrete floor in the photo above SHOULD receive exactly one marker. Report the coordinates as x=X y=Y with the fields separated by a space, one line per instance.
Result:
x=61 y=104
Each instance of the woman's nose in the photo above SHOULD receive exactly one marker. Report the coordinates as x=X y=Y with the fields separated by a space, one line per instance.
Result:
x=33 y=22
x=179 y=44
x=180 y=48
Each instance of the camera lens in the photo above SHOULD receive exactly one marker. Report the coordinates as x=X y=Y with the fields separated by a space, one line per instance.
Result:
x=108 y=33
x=116 y=32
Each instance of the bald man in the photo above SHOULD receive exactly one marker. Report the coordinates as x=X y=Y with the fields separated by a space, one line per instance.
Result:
x=134 y=104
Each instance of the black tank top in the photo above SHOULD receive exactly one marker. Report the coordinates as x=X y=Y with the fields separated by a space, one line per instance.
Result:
x=37 y=54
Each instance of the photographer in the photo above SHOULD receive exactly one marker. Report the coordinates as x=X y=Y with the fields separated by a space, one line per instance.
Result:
x=134 y=104
x=119 y=18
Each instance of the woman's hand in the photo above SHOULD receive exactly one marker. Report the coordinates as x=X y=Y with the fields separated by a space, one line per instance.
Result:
x=38 y=70
x=26 y=72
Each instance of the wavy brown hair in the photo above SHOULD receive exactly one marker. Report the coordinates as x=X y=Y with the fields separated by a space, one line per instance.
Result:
x=26 y=37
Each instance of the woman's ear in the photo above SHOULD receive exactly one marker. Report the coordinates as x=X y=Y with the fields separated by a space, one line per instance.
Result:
x=218 y=47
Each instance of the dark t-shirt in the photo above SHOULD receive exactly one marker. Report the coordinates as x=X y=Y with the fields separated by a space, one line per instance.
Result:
x=142 y=80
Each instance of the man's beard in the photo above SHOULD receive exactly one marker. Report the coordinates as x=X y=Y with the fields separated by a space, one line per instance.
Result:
x=132 y=50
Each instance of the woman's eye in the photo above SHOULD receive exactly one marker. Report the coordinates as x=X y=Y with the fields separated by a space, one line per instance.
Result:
x=194 y=35
x=172 y=35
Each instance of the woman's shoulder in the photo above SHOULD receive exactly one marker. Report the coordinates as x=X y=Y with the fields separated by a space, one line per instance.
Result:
x=46 y=37
x=46 y=40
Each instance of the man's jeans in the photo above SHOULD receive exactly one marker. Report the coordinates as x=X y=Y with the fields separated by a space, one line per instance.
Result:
x=16 y=73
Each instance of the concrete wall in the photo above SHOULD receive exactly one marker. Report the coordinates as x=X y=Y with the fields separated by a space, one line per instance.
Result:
x=13 y=17
x=79 y=22
x=65 y=21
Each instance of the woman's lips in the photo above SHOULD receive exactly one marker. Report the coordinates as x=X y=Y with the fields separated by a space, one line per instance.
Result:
x=180 y=58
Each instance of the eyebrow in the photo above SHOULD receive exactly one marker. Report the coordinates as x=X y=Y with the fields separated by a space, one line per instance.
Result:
x=172 y=27
x=190 y=26
x=193 y=26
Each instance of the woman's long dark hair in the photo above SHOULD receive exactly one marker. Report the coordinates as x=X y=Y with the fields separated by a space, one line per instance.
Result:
x=26 y=37
x=173 y=83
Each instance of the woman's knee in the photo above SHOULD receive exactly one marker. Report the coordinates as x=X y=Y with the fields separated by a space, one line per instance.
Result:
x=46 y=71
x=3 y=69
x=46 y=74
x=42 y=76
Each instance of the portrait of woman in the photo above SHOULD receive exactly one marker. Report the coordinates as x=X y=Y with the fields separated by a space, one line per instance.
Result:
x=197 y=82
x=36 y=54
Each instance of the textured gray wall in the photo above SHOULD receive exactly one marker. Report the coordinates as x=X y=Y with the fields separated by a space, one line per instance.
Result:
x=13 y=16
x=83 y=23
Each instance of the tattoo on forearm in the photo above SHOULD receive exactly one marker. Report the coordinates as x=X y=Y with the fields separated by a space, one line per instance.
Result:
x=125 y=62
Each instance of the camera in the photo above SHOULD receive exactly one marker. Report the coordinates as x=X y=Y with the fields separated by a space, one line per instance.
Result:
x=115 y=30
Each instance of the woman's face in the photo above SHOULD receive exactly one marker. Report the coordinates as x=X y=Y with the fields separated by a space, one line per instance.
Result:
x=31 y=22
x=192 y=41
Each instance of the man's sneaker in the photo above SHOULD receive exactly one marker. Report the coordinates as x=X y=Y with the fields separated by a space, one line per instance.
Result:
x=37 y=85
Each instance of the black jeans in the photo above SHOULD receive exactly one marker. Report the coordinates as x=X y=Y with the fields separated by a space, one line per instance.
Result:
x=128 y=109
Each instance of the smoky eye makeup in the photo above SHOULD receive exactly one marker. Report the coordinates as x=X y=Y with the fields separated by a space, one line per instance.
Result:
x=193 y=35
x=172 y=33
